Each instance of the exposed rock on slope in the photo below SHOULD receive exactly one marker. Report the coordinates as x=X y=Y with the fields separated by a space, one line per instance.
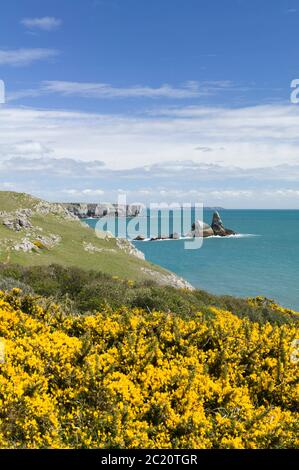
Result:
x=129 y=248
x=21 y=220
x=169 y=279
x=25 y=245
x=18 y=220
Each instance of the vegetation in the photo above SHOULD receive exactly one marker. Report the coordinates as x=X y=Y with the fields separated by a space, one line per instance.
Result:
x=127 y=378
x=73 y=235
x=106 y=358
x=87 y=291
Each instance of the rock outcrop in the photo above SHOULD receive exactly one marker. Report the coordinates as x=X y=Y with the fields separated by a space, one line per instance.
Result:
x=201 y=229
x=33 y=239
x=121 y=244
x=47 y=208
x=25 y=245
x=218 y=227
x=19 y=220
x=168 y=279
x=84 y=211
x=90 y=248
x=129 y=248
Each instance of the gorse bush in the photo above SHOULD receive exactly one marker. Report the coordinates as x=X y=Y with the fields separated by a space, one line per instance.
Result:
x=8 y=283
x=129 y=377
x=88 y=291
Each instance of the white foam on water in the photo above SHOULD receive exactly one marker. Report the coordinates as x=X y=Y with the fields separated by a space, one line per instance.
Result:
x=237 y=235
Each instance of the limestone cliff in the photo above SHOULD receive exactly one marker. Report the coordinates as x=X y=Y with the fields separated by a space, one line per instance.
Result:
x=84 y=210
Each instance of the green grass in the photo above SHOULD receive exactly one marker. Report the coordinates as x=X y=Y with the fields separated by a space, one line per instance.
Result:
x=70 y=251
x=11 y=201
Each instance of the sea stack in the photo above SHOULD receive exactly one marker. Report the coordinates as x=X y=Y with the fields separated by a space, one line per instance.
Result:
x=218 y=227
x=201 y=229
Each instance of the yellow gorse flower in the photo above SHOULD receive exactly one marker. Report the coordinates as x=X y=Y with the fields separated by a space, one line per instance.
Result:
x=130 y=378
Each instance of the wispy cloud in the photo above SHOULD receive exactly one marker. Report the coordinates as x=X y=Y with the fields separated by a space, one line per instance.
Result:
x=247 y=157
x=207 y=149
x=190 y=89
x=23 y=57
x=44 y=163
x=177 y=181
x=246 y=137
x=83 y=192
x=46 y=23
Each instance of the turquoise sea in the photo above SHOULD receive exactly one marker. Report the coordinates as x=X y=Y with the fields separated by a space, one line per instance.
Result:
x=262 y=260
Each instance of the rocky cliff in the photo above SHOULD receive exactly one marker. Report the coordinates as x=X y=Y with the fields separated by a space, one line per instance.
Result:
x=84 y=210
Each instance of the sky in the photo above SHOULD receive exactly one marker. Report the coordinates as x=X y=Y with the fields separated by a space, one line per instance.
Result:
x=163 y=100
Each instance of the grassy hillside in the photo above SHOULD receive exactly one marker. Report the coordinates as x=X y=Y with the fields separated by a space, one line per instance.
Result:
x=12 y=201
x=50 y=219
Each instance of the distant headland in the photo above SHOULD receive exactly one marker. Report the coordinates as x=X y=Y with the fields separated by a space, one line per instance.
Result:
x=98 y=210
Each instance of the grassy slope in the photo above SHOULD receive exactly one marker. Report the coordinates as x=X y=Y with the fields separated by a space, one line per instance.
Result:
x=11 y=201
x=70 y=251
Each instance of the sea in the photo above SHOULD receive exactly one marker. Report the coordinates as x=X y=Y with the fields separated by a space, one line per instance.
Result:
x=262 y=259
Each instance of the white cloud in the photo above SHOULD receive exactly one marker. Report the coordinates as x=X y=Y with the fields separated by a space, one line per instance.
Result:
x=190 y=89
x=20 y=94
x=171 y=182
x=258 y=136
x=84 y=192
x=29 y=147
x=47 y=165
x=23 y=57
x=258 y=198
x=46 y=23
x=253 y=157
x=248 y=137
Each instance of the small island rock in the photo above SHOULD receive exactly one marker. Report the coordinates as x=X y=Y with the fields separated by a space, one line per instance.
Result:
x=200 y=229
x=218 y=227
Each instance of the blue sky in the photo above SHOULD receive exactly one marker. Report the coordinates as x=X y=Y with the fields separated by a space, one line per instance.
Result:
x=173 y=100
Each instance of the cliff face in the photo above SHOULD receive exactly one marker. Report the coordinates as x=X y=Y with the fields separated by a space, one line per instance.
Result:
x=82 y=210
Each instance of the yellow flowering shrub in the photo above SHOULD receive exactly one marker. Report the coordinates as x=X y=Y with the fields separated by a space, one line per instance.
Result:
x=261 y=301
x=130 y=378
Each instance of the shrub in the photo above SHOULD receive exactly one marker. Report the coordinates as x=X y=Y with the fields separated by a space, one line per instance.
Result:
x=88 y=291
x=129 y=378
